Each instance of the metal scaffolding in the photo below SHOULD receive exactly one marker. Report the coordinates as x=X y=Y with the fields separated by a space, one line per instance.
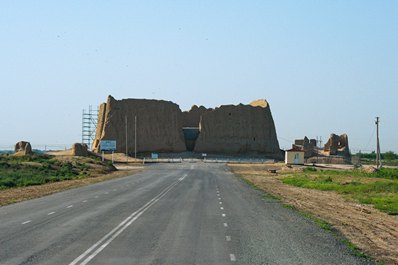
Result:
x=89 y=125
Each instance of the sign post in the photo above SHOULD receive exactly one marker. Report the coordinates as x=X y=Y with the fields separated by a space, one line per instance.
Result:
x=107 y=145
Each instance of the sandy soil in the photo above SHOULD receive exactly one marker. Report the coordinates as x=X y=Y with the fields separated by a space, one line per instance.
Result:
x=14 y=195
x=374 y=232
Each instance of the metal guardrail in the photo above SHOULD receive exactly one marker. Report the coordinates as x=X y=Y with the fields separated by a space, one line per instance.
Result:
x=239 y=160
x=161 y=160
x=209 y=160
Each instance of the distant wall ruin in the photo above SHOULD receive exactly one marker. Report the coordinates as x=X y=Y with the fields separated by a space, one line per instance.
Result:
x=229 y=129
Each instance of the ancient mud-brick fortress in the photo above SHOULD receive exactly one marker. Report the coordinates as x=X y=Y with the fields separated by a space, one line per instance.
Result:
x=163 y=127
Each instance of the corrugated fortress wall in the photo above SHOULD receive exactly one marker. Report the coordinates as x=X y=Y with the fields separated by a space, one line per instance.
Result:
x=240 y=129
x=159 y=125
x=229 y=129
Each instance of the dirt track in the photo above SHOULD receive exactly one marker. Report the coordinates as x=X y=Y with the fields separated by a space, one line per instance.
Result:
x=374 y=232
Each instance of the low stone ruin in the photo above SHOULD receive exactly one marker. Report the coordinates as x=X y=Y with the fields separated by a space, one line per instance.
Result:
x=335 y=151
x=306 y=145
x=79 y=149
x=23 y=148
x=337 y=145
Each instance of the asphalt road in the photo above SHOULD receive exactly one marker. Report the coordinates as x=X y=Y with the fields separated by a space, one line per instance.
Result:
x=188 y=213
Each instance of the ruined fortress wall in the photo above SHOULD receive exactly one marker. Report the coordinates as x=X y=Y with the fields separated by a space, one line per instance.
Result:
x=229 y=129
x=100 y=126
x=238 y=130
x=159 y=125
x=192 y=117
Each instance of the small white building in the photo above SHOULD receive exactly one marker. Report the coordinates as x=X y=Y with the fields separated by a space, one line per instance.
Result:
x=294 y=156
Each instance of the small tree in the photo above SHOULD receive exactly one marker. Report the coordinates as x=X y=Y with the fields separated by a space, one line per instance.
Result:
x=390 y=155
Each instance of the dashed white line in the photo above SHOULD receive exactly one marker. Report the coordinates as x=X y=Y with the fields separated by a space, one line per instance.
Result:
x=51 y=213
x=221 y=208
x=228 y=238
x=219 y=198
x=27 y=222
x=70 y=206
x=106 y=192
x=225 y=225
x=85 y=201
x=114 y=189
x=232 y=257
x=96 y=197
x=223 y=215
x=220 y=202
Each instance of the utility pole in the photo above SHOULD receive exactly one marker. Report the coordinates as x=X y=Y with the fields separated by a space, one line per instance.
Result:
x=135 y=137
x=378 y=162
x=127 y=158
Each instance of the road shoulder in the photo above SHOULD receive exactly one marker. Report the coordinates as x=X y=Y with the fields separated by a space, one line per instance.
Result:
x=374 y=232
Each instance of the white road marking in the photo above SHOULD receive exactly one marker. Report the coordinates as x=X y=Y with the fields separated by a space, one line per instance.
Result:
x=219 y=198
x=51 y=213
x=182 y=178
x=232 y=257
x=106 y=192
x=223 y=215
x=218 y=195
x=221 y=208
x=85 y=201
x=225 y=225
x=220 y=202
x=70 y=206
x=228 y=238
x=114 y=189
x=96 y=197
x=27 y=222
x=108 y=238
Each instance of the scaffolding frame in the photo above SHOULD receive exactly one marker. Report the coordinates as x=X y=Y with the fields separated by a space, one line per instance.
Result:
x=89 y=125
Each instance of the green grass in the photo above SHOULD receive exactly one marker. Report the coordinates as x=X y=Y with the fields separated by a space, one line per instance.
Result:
x=382 y=193
x=38 y=169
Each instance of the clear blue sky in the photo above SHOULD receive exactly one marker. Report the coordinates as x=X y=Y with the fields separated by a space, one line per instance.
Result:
x=324 y=66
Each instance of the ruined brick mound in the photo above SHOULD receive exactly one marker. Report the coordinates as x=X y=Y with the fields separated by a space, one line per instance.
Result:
x=23 y=148
x=337 y=145
x=79 y=149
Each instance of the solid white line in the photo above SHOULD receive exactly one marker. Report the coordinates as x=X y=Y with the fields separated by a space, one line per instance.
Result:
x=108 y=238
x=225 y=225
x=232 y=257
x=228 y=238
x=70 y=206
x=51 y=213
x=27 y=222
